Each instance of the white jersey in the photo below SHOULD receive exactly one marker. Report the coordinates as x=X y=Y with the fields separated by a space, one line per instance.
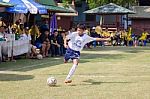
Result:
x=25 y=37
x=77 y=42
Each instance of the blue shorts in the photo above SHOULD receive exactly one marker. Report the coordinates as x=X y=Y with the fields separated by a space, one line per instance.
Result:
x=71 y=54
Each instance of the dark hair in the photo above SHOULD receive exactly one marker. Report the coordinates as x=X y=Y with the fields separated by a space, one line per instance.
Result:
x=54 y=31
x=46 y=30
x=81 y=26
x=3 y=26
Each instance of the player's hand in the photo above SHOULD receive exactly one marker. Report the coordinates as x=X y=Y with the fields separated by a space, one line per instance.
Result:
x=108 y=39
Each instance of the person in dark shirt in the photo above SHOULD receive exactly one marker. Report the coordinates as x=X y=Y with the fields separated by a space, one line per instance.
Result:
x=94 y=35
x=55 y=46
x=61 y=42
x=45 y=40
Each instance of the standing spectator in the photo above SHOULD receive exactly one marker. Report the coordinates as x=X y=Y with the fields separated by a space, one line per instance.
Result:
x=123 y=37
x=143 y=37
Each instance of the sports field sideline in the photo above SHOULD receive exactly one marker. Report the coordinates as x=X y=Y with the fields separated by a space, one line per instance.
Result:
x=103 y=73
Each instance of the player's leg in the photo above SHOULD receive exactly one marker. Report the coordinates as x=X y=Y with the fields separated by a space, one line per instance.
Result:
x=67 y=55
x=43 y=49
x=72 y=70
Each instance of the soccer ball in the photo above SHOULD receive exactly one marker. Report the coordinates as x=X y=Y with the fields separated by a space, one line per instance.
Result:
x=39 y=56
x=51 y=81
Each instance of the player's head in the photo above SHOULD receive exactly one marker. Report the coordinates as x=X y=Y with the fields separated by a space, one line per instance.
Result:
x=80 y=28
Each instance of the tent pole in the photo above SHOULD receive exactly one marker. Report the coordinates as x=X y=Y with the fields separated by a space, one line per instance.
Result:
x=127 y=21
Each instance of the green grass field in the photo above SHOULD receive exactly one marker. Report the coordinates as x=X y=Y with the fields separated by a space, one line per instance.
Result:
x=103 y=73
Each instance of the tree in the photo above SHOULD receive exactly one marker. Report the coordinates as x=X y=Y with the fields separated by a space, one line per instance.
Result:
x=96 y=3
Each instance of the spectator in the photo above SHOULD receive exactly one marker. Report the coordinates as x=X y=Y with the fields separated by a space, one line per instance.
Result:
x=2 y=38
x=2 y=23
x=44 y=27
x=143 y=37
x=55 y=46
x=2 y=30
x=26 y=36
x=123 y=37
x=61 y=42
x=94 y=35
x=44 y=39
x=34 y=31
x=18 y=28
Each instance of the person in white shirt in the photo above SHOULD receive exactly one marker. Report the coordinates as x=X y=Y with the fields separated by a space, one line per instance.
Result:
x=76 y=42
x=26 y=36
x=2 y=30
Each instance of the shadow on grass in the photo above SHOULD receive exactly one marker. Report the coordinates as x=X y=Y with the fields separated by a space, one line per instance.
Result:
x=118 y=48
x=92 y=82
x=14 y=77
x=31 y=64
x=54 y=86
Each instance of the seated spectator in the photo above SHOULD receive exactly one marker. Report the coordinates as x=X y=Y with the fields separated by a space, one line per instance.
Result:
x=61 y=38
x=44 y=39
x=2 y=23
x=44 y=26
x=34 y=32
x=94 y=34
x=26 y=36
x=55 y=46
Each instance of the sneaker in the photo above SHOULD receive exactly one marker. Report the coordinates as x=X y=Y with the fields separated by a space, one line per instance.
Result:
x=68 y=81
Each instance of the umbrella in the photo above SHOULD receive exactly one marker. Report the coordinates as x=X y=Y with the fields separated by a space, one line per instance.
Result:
x=25 y=6
x=42 y=9
x=3 y=4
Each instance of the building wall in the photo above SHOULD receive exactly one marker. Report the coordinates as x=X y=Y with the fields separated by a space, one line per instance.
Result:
x=138 y=25
x=65 y=22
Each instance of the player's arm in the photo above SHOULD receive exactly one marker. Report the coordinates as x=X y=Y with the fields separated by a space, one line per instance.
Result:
x=67 y=38
x=65 y=42
x=102 y=39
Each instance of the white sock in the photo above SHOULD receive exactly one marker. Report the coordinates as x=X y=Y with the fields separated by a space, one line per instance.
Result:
x=71 y=72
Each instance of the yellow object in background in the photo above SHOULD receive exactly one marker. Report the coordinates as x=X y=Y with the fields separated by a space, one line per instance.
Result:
x=144 y=36
x=98 y=30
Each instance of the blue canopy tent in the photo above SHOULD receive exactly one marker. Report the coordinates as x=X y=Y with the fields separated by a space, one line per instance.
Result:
x=25 y=6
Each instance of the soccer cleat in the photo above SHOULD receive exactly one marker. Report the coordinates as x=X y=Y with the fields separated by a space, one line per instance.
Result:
x=68 y=81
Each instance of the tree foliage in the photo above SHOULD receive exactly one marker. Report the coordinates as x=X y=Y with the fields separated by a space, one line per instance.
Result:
x=96 y=3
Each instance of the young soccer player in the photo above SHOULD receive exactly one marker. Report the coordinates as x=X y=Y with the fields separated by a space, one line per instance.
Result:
x=76 y=42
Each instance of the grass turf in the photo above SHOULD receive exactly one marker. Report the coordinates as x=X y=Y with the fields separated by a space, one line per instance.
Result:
x=103 y=73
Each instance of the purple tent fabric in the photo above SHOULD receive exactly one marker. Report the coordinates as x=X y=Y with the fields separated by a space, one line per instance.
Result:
x=53 y=23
